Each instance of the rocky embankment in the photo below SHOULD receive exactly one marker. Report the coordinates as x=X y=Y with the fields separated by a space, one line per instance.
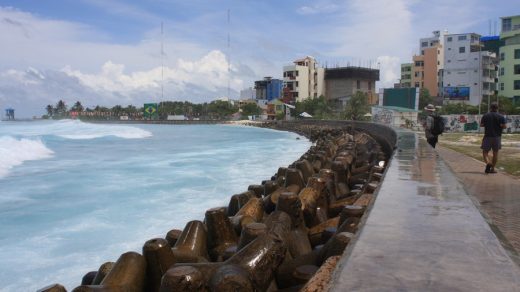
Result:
x=285 y=234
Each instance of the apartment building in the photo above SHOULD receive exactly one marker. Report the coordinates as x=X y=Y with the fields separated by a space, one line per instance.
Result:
x=269 y=88
x=406 y=75
x=303 y=80
x=469 y=73
x=426 y=65
x=509 y=77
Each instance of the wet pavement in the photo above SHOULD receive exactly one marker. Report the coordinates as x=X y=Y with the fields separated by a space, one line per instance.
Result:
x=424 y=233
x=496 y=195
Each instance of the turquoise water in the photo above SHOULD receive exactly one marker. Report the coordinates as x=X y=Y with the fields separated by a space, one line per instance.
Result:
x=74 y=195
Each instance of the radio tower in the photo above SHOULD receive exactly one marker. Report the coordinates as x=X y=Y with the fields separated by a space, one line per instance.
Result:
x=229 y=55
x=162 y=62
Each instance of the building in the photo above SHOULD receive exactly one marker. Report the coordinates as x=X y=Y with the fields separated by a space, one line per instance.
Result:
x=303 y=80
x=426 y=65
x=269 y=88
x=509 y=77
x=469 y=73
x=406 y=75
x=491 y=43
x=343 y=82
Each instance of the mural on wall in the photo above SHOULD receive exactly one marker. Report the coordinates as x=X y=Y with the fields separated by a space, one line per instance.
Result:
x=381 y=115
x=471 y=123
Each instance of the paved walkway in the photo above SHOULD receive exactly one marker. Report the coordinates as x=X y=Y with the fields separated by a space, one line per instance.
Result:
x=497 y=195
x=424 y=233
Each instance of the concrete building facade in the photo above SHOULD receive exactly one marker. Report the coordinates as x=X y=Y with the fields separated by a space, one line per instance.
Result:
x=341 y=83
x=269 y=88
x=469 y=74
x=406 y=75
x=509 y=76
x=303 y=80
x=428 y=63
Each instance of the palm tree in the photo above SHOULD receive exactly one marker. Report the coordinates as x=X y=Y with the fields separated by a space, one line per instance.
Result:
x=50 y=110
x=61 y=108
x=78 y=107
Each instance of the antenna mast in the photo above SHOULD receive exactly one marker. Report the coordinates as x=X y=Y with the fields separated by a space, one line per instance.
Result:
x=229 y=54
x=162 y=62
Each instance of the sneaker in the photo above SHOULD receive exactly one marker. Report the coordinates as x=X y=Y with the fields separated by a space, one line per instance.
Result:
x=488 y=168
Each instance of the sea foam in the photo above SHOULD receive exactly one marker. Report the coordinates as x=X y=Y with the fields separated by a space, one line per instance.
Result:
x=14 y=152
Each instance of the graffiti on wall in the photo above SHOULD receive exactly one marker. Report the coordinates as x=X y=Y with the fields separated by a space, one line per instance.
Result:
x=471 y=123
x=381 y=115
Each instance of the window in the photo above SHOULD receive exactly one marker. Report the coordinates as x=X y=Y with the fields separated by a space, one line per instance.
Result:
x=462 y=50
x=438 y=62
x=517 y=54
x=358 y=84
x=438 y=52
x=517 y=69
x=449 y=61
x=369 y=85
x=501 y=86
x=419 y=63
x=424 y=44
x=422 y=52
x=502 y=71
x=462 y=38
x=475 y=83
x=449 y=72
x=416 y=84
x=449 y=49
x=516 y=85
x=502 y=56
x=296 y=84
x=506 y=24
x=449 y=39
x=296 y=73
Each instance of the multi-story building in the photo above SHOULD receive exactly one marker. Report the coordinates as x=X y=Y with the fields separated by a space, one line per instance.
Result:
x=303 y=80
x=341 y=83
x=269 y=88
x=509 y=77
x=406 y=75
x=469 y=73
x=426 y=65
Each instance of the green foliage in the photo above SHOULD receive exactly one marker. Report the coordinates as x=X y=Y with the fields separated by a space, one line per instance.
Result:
x=280 y=116
x=424 y=98
x=250 y=109
x=60 y=111
x=77 y=107
x=219 y=109
x=357 y=107
x=318 y=108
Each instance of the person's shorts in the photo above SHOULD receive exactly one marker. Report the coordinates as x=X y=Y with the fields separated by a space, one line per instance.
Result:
x=489 y=143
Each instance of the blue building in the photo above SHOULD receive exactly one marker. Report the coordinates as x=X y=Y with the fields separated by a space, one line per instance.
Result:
x=269 y=88
x=9 y=114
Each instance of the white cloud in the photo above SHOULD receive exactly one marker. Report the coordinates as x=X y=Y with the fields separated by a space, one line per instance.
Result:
x=318 y=7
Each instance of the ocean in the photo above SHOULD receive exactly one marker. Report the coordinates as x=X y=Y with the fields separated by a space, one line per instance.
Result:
x=74 y=195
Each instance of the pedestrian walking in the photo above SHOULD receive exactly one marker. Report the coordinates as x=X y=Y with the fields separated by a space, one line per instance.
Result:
x=493 y=123
x=434 y=125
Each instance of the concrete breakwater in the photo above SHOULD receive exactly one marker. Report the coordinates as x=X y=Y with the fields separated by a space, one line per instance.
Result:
x=281 y=235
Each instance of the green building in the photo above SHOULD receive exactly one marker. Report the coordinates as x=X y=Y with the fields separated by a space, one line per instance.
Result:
x=406 y=75
x=509 y=74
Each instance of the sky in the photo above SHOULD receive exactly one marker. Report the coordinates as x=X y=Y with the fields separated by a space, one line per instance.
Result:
x=108 y=52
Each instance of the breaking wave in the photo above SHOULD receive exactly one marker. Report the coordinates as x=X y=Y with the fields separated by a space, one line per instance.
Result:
x=14 y=152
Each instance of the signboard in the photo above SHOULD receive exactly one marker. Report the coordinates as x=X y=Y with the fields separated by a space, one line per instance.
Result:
x=150 y=111
x=456 y=93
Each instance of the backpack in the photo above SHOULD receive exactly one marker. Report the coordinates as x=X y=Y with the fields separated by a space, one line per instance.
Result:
x=438 y=125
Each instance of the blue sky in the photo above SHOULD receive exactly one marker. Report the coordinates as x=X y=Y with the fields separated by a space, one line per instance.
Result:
x=107 y=52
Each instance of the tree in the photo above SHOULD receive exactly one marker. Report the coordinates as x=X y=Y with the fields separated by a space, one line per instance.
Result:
x=424 y=98
x=250 y=109
x=316 y=107
x=50 y=110
x=77 y=107
x=61 y=108
x=357 y=107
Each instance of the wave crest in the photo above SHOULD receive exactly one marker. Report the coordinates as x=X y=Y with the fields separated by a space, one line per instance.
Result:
x=14 y=152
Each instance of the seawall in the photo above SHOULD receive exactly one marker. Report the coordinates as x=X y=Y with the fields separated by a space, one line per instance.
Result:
x=283 y=234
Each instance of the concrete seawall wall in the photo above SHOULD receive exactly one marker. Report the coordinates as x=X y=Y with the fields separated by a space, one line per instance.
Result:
x=285 y=233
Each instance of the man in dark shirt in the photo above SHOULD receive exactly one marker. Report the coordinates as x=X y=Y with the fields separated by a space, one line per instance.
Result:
x=493 y=122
